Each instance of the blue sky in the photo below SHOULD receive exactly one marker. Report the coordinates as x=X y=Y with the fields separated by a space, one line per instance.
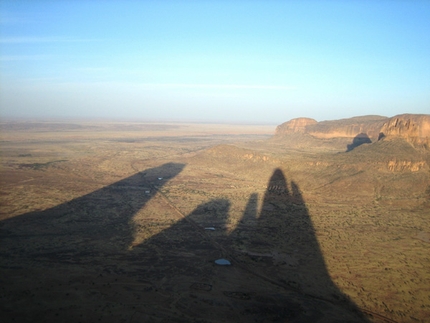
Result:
x=214 y=61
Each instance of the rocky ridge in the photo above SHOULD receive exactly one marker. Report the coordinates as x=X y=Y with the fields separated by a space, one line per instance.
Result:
x=414 y=128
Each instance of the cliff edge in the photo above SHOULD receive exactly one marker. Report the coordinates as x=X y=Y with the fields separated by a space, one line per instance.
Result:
x=414 y=128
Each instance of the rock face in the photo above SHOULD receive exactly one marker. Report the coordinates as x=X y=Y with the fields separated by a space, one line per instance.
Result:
x=414 y=128
x=295 y=125
x=345 y=128
x=402 y=165
x=349 y=128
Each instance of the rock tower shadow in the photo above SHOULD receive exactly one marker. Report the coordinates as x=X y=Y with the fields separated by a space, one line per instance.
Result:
x=281 y=244
x=54 y=263
x=278 y=271
x=99 y=223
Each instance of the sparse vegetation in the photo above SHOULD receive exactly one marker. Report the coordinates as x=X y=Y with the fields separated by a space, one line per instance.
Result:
x=83 y=241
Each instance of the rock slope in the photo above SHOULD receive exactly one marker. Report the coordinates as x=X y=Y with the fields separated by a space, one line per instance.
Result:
x=414 y=128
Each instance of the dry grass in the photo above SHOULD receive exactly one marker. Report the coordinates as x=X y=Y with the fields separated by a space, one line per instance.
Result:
x=84 y=240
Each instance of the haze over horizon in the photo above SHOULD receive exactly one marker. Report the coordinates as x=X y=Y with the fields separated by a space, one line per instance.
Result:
x=237 y=61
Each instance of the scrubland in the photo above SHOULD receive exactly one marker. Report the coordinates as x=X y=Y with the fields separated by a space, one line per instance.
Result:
x=106 y=222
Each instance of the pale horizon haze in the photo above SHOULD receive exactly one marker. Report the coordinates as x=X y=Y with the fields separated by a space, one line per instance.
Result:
x=259 y=62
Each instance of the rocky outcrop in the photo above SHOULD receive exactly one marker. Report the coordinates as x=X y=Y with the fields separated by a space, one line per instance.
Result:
x=414 y=128
x=297 y=125
x=344 y=128
x=405 y=165
x=349 y=128
x=230 y=152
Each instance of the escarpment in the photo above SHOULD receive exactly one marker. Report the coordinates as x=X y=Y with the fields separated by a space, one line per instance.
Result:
x=346 y=128
x=297 y=125
x=414 y=128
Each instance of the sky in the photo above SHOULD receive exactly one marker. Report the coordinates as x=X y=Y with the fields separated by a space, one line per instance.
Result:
x=259 y=62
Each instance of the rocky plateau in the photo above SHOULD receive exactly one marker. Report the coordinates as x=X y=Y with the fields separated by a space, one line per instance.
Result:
x=413 y=128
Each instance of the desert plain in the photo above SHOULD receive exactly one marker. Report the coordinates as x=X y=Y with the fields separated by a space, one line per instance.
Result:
x=111 y=221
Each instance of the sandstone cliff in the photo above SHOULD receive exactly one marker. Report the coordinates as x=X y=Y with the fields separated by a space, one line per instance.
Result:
x=345 y=128
x=413 y=128
x=349 y=128
x=295 y=125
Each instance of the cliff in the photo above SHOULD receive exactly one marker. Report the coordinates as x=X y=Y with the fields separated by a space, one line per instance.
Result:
x=345 y=128
x=414 y=128
x=295 y=125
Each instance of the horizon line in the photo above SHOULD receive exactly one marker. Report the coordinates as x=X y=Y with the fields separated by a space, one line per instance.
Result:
x=222 y=86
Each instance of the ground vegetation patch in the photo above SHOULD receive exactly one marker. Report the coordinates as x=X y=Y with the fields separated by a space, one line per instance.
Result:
x=108 y=222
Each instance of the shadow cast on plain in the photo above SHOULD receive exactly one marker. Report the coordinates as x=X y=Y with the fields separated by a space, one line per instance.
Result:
x=99 y=224
x=278 y=273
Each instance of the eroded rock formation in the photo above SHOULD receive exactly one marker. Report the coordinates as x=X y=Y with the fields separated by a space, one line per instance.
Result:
x=345 y=128
x=349 y=128
x=295 y=125
x=405 y=165
x=414 y=128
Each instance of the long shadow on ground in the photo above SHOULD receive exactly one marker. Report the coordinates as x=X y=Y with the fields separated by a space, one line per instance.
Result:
x=280 y=244
x=96 y=224
x=73 y=263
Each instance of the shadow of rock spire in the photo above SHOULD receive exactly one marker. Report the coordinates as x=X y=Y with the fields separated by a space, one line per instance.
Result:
x=284 y=248
x=72 y=262
x=277 y=272
x=56 y=264
x=250 y=213
x=94 y=225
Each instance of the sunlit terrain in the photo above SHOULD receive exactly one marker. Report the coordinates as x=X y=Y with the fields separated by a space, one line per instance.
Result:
x=104 y=221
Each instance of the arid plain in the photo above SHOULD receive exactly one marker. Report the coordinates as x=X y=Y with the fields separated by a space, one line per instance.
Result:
x=122 y=222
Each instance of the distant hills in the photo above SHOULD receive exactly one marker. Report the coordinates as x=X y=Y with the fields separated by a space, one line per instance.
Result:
x=366 y=159
x=414 y=128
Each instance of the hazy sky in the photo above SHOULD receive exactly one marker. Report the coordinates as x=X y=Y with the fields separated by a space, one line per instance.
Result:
x=230 y=61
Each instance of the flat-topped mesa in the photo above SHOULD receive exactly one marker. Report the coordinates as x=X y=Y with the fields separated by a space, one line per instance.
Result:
x=297 y=125
x=343 y=128
x=415 y=128
x=368 y=126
